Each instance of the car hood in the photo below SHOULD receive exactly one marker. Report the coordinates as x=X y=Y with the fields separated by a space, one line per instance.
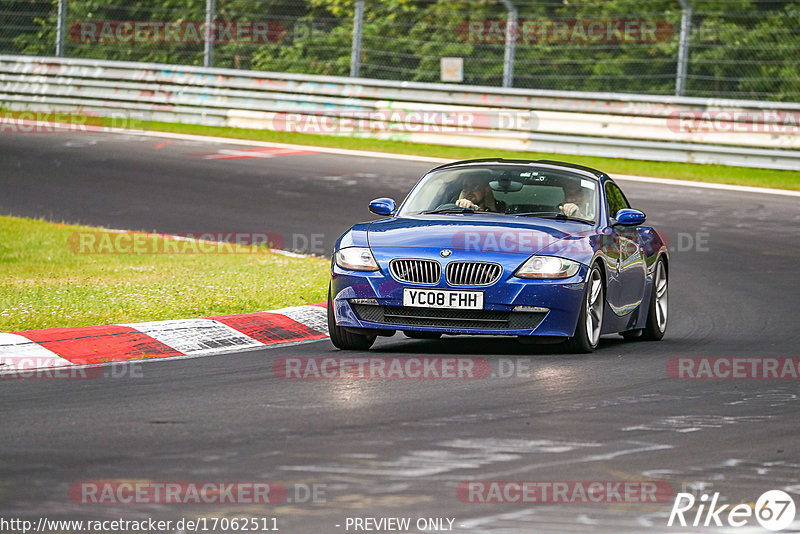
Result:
x=479 y=232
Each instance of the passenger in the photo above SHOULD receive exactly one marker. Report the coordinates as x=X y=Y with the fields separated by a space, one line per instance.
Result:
x=574 y=198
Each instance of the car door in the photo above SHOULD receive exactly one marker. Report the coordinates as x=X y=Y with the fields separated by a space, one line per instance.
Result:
x=626 y=283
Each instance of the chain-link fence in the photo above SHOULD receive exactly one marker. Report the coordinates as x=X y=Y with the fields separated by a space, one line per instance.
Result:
x=733 y=48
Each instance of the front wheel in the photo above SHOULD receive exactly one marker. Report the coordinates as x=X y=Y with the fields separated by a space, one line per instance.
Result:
x=341 y=338
x=590 y=321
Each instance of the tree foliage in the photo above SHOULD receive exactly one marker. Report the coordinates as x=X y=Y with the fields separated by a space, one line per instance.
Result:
x=738 y=48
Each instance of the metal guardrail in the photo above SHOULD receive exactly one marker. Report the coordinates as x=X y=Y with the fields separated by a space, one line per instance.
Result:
x=598 y=124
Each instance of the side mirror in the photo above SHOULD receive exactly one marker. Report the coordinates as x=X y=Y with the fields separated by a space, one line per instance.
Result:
x=382 y=206
x=629 y=217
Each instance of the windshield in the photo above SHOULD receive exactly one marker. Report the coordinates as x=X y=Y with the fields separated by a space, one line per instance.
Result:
x=536 y=191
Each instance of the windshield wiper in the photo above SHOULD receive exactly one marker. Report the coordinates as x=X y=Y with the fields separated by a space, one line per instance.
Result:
x=448 y=210
x=553 y=215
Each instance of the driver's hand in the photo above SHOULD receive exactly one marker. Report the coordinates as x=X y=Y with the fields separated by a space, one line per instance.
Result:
x=569 y=209
x=466 y=203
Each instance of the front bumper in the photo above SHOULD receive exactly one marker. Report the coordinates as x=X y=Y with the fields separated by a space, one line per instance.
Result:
x=384 y=308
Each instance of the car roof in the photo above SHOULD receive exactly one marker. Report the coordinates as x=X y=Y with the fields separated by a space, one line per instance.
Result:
x=502 y=161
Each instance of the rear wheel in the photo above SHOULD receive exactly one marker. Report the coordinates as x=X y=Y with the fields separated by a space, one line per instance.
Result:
x=590 y=321
x=341 y=338
x=659 y=304
x=423 y=335
x=657 y=310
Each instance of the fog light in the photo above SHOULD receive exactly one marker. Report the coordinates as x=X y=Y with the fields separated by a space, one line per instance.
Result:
x=531 y=309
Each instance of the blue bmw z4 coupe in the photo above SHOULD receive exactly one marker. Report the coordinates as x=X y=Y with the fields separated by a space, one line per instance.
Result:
x=542 y=250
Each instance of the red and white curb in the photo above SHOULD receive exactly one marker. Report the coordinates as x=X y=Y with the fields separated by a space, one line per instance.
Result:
x=63 y=347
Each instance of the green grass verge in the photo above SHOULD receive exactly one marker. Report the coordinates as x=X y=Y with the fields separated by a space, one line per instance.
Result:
x=680 y=171
x=44 y=283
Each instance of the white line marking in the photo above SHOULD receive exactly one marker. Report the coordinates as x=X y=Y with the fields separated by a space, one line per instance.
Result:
x=410 y=157
x=251 y=143
x=705 y=185
x=427 y=159
x=226 y=153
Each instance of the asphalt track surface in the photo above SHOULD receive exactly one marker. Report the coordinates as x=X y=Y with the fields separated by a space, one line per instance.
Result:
x=399 y=448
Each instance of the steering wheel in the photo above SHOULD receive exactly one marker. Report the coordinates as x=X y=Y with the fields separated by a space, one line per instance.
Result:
x=447 y=206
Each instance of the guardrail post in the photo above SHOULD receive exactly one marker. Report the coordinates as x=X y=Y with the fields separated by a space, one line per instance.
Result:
x=511 y=43
x=358 y=23
x=208 y=50
x=683 y=47
x=61 y=27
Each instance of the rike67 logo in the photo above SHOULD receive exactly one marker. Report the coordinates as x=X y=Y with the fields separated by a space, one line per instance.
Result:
x=774 y=510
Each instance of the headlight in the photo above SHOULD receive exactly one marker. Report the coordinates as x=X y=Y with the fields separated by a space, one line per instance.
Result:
x=548 y=267
x=356 y=259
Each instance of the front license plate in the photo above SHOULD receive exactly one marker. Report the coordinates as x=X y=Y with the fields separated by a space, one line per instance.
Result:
x=442 y=298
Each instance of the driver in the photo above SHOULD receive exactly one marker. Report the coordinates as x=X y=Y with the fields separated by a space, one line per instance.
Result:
x=476 y=194
x=573 y=199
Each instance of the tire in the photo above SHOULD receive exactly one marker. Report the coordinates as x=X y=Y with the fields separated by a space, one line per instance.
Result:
x=423 y=335
x=659 y=304
x=590 y=320
x=341 y=338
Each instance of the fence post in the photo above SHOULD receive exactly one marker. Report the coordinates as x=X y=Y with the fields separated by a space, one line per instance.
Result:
x=208 y=50
x=61 y=27
x=511 y=43
x=683 y=47
x=355 y=55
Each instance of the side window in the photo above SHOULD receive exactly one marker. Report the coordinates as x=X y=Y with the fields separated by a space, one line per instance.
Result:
x=615 y=199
